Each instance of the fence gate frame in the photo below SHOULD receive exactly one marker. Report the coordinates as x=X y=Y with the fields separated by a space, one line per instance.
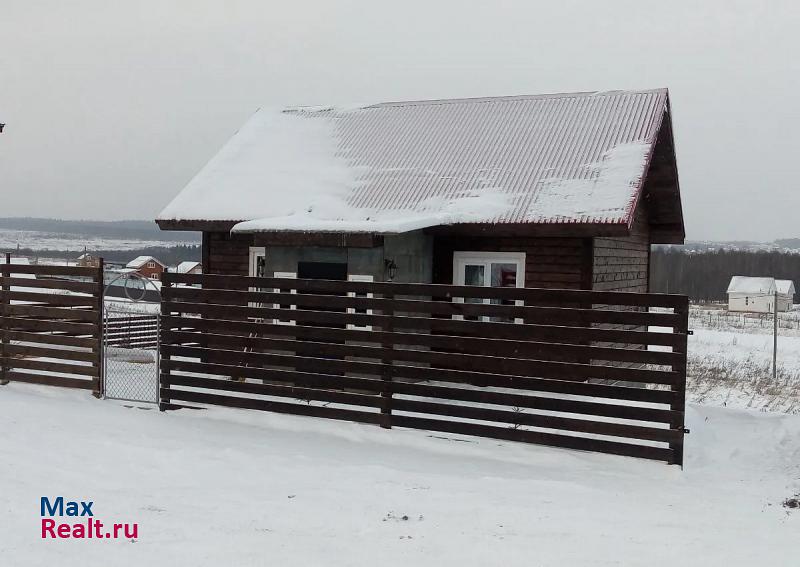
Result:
x=105 y=343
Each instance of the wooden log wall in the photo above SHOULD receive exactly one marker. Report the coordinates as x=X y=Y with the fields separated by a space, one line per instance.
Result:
x=419 y=356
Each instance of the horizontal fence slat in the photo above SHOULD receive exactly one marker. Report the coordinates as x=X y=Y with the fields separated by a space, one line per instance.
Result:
x=277 y=407
x=47 y=270
x=484 y=396
x=43 y=352
x=538 y=437
x=48 y=380
x=276 y=390
x=19 y=323
x=303 y=379
x=87 y=315
x=519 y=418
x=49 y=299
x=48 y=366
x=51 y=339
x=90 y=287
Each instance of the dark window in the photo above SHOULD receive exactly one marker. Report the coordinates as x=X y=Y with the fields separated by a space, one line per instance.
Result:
x=322 y=270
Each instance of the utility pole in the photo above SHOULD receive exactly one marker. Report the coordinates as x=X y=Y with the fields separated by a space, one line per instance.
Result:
x=775 y=338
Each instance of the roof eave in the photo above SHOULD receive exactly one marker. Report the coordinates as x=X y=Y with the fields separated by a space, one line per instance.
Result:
x=549 y=229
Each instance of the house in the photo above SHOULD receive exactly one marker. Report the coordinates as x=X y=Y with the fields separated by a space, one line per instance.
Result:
x=88 y=260
x=751 y=294
x=558 y=191
x=785 y=289
x=189 y=268
x=146 y=266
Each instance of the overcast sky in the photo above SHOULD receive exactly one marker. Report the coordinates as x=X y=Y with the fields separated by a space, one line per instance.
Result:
x=113 y=106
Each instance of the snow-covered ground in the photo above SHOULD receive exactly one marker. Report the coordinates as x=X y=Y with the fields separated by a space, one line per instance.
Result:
x=733 y=367
x=227 y=487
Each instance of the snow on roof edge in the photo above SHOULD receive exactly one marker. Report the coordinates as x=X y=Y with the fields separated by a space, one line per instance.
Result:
x=331 y=187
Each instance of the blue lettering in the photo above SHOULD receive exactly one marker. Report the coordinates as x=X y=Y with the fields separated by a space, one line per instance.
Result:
x=56 y=509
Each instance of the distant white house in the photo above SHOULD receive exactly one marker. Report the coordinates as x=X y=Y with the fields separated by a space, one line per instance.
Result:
x=785 y=294
x=757 y=295
x=189 y=268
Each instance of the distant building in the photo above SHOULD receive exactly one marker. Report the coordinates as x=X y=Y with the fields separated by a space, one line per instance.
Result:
x=146 y=266
x=785 y=294
x=189 y=268
x=88 y=260
x=757 y=295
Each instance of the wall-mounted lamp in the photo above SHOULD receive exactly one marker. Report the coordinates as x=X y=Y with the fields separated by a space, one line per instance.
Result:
x=391 y=268
x=1 y=127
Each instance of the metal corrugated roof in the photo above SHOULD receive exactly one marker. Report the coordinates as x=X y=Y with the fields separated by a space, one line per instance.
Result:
x=566 y=158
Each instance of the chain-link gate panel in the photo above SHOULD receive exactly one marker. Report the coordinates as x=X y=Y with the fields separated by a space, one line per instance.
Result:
x=131 y=331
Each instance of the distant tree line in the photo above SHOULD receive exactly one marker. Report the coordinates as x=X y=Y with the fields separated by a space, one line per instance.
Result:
x=128 y=229
x=704 y=276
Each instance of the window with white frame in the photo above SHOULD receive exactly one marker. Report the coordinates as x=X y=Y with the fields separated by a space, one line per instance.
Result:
x=489 y=269
x=282 y=321
x=359 y=278
x=151 y=264
x=257 y=262
x=256 y=265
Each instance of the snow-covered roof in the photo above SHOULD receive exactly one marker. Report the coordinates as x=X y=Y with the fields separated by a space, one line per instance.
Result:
x=394 y=167
x=747 y=284
x=140 y=261
x=186 y=267
x=785 y=287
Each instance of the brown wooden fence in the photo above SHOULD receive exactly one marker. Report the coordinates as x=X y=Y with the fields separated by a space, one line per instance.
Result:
x=50 y=325
x=506 y=363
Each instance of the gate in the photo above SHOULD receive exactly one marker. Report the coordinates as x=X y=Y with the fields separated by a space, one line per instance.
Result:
x=131 y=330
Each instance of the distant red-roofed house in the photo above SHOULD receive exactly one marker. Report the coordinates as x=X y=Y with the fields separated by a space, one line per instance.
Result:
x=146 y=266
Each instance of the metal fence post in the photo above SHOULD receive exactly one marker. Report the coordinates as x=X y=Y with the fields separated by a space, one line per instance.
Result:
x=678 y=404
x=99 y=388
x=163 y=374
